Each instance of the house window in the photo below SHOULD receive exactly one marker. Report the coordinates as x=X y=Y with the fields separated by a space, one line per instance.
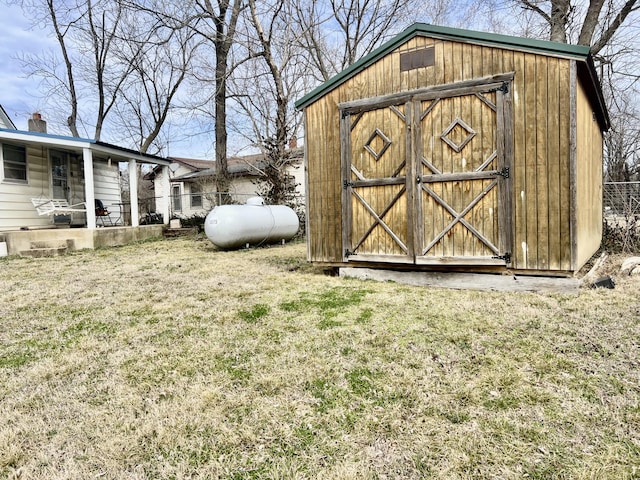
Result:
x=177 y=200
x=14 y=163
x=196 y=196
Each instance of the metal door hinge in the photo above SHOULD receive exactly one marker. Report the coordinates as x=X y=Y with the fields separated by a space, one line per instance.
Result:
x=506 y=257
x=348 y=253
x=504 y=88
x=503 y=173
x=346 y=184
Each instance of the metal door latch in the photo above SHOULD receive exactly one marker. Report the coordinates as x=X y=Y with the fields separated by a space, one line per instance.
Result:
x=506 y=257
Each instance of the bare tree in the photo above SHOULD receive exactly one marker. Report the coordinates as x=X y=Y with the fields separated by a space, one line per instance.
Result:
x=622 y=142
x=311 y=17
x=356 y=27
x=287 y=51
x=102 y=30
x=73 y=97
x=88 y=34
x=261 y=89
x=217 y=24
x=60 y=86
x=607 y=27
x=158 y=75
x=120 y=68
x=265 y=95
x=595 y=26
x=159 y=72
x=452 y=13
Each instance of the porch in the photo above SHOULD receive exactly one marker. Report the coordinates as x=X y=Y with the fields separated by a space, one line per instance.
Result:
x=57 y=241
x=57 y=181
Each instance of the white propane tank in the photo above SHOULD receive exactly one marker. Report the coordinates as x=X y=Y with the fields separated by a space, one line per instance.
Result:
x=234 y=226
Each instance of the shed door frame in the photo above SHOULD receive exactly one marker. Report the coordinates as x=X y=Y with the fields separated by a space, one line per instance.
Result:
x=414 y=178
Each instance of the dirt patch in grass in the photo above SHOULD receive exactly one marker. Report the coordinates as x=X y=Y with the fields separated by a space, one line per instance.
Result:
x=171 y=359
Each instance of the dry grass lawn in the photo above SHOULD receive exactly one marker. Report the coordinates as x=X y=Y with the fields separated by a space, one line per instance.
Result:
x=171 y=360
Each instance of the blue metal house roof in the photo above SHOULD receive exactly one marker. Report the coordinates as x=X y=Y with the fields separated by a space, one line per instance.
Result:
x=77 y=142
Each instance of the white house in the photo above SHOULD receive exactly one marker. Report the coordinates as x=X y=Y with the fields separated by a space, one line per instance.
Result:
x=5 y=121
x=50 y=182
x=191 y=188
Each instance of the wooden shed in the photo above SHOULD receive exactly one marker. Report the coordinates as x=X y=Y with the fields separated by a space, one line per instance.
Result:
x=448 y=148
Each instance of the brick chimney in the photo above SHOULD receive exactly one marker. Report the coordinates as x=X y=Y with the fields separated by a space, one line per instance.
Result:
x=36 y=124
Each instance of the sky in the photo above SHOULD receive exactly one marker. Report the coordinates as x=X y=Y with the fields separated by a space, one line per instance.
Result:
x=18 y=95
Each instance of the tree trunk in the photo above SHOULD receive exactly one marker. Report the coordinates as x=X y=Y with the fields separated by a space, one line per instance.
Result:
x=222 y=40
x=559 y=19
x=72 y=119
x=590 y=22
x=220 y=98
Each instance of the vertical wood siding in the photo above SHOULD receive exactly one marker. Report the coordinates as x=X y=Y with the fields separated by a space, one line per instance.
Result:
x=541 y=145
x=588 y=168
x=460 y=242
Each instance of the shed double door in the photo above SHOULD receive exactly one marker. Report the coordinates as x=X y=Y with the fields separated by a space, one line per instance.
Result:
x=426 y=177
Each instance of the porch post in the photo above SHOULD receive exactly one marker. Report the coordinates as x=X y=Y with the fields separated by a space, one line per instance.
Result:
x=165 y=188
x=133 y=192
x=89 y=190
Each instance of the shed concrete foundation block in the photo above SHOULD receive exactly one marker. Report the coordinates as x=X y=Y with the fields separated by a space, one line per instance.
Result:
x=467 y=281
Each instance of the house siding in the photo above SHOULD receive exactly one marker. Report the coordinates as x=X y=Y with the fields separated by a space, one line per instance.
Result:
x=106 y=179
x=16 y=208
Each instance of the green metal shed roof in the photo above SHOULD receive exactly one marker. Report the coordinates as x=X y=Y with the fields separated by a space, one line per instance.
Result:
x=543 y=47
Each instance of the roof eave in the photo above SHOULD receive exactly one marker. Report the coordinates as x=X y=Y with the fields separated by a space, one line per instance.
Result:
x=44 y=139
x=128 y=154
x=595 y=88
x=76 y=143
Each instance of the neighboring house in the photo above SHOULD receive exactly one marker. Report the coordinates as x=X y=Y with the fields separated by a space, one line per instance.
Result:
x=51 y=181
x=5 y=121
x=192 y=182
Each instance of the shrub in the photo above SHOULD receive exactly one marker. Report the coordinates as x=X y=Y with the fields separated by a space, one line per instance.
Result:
x=195 y=220
x=621 y=234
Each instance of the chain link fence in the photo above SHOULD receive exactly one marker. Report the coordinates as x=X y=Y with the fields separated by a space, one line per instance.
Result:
x=621 y=199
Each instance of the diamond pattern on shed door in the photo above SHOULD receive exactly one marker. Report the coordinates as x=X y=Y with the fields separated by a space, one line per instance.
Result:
x=377 y=173
x=458 y=178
